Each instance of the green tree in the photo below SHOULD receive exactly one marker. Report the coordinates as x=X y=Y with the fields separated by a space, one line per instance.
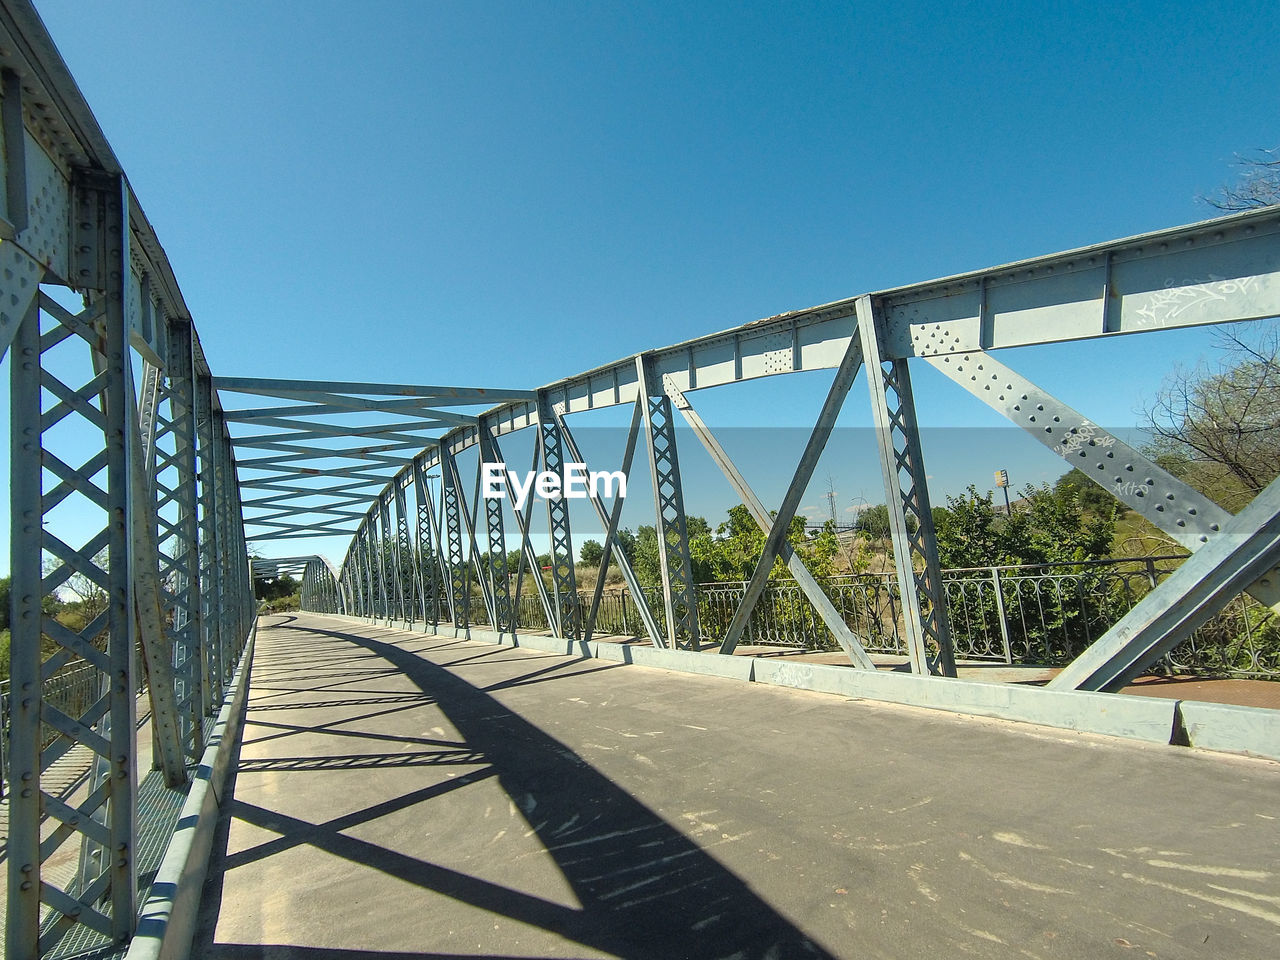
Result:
x=644 y=559
x=275 y=588
x=1065 y=611
x=591 y=553
x=873 y=522
x=1092 y=496
x=819 y=551
x=626 y=542
x=1052 y=527
x=969 y=533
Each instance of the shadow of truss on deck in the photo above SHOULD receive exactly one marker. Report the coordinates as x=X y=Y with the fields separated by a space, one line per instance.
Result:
x=647 y=891
x=363 y=761
x=287 y=951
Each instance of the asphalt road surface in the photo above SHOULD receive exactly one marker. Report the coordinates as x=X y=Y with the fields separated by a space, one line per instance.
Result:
x=402 y=796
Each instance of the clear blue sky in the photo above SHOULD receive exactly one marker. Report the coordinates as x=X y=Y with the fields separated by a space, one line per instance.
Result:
x=504 y=194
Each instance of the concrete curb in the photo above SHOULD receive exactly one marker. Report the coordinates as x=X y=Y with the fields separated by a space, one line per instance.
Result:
x=1111 y=714
x=167 y=922
x=1227 y=729
x=1230 y=729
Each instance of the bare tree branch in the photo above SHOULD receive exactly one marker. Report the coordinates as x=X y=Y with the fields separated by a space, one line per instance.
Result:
x=1257 y=186
x=1218 y=426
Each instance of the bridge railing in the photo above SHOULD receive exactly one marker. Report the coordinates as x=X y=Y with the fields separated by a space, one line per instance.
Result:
x=1026 y=614
x=122 y=482
x=1042 y=614
x=124 y=472
x=1103 y=627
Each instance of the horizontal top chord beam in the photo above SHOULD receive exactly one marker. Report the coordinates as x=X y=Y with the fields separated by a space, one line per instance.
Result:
x=296 y=388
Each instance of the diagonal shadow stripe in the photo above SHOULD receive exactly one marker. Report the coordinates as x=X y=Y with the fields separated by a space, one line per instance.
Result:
x=305 y=833
x=647 y=890
x=289 y=951
x=331 y=728
x=363 y=761
x=353 y=702
x=545 y=675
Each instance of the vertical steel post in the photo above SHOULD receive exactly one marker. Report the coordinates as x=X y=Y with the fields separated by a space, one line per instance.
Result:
x=499 y=575
x=384 y=547
x=452 y=496
x=22 y=917
x=101 y=225
x=210 y=594
x=357 y=573
x=390 y=560
x=907 y=496
x=224 y=478
x=391 y=521
x=112 y=202
x=1002 y=613
x=551 y=443
x=180 y=563
x=678 y=595
x=428 y=551
x=368 y=558
x=406 y=580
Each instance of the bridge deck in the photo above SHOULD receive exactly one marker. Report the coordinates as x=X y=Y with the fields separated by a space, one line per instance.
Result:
x=408 y=796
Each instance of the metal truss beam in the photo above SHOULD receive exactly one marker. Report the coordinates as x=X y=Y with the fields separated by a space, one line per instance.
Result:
x=299 y=531
x=436 y=523
x=777 y=533
x=1248 y=552
x=297 y=473
x=282 y=485
x=404 y=556
x=311 y=429
x=447 y=395
x=528 y=559
x=334 y=500
x=211 y=644
x=451 y=496
x=775 y=528
x=906 y=490
x=335 y=404
x=848 y=641
x=386 y=556
x=568 y=620
x=291 y=454
x=298 y=512
x=285 y=443
x=504 y=619
x=179 y=535
x=157 y=655
x=610 y=522
x=426 y=552
x=105 y=898
x=679 y=600
x=1186 y=515
x=418 y=409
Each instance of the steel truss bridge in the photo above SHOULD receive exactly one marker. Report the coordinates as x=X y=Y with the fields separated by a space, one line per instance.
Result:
x=137 y=469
